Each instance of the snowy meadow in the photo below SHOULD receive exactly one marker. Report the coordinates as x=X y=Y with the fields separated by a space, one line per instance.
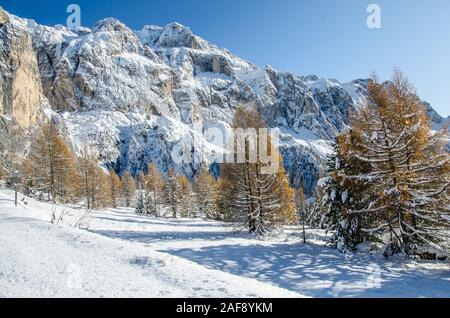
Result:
x=116 y=253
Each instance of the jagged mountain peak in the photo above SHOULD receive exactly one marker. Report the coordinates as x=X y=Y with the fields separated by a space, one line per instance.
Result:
x=171 y=36
x=110 y=25
x=176 y=28
x=176 y=42
x=4 y=18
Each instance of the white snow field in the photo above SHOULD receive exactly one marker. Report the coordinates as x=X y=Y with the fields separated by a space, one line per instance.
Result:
x=115 y=253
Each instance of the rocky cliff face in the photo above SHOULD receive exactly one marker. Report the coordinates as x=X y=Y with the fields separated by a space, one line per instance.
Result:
x=20 y=85
x=134 y=95
x=21 y=98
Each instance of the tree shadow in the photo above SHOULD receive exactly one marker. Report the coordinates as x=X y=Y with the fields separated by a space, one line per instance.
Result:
x=11 y=219
x=159 y=236
x=148 y=220
x=308 y=269
x=319 y=272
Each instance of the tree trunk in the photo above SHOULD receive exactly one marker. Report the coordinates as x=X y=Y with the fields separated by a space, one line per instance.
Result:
x=154 y=198
x=303 y=222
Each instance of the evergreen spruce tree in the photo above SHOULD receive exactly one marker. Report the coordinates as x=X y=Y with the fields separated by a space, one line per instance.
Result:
x=172 y=193
x=140 y=199
x=313 y=214
x=149 y=204
x=336 y=202
x=128 y=188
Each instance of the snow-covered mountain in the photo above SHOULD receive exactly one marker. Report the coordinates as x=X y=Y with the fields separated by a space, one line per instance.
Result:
x=134 y=95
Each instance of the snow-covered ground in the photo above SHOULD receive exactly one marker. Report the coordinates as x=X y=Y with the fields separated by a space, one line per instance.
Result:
x=115 y=253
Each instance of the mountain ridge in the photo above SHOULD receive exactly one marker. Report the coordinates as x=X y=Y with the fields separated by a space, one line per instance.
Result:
x=152 y=88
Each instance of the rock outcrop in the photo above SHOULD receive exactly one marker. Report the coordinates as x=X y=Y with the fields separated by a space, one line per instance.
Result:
x=20 y=85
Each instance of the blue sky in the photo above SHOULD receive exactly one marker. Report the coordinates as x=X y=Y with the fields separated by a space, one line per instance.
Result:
x=324 y=37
